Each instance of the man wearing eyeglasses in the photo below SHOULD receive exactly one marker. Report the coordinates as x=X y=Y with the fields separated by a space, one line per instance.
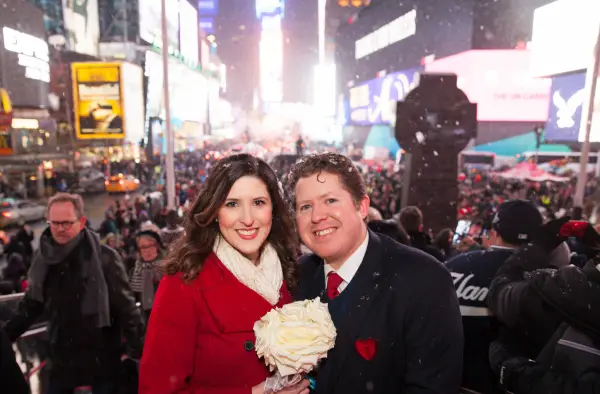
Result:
x=83 y=288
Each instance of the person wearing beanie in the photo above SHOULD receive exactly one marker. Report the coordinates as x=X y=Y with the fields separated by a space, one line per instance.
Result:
x=173 y=230
x=514 y=224
x=147 y=271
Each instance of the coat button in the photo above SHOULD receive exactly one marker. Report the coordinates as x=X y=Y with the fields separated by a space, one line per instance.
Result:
x=249 y=345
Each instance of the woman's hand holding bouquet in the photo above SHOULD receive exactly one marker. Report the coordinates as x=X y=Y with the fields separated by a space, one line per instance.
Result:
x=292 y=340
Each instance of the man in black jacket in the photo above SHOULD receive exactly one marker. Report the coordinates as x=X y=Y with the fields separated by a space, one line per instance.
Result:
x=556 y=315
x=513 y=225
x=83 y=288
x=394 y=307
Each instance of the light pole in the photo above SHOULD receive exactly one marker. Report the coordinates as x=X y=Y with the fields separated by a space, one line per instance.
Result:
x=169 y=160
x=586 y=118
x=322 y=4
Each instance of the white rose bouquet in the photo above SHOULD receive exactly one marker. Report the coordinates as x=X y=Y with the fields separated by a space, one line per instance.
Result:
x=293 y=339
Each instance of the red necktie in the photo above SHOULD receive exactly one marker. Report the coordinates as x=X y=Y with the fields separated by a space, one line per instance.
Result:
x=333 y=282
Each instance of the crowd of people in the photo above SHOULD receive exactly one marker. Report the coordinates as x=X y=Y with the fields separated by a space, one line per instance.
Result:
x=511 y=305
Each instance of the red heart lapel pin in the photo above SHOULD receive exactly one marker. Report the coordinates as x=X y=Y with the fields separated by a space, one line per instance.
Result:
x=366 y=348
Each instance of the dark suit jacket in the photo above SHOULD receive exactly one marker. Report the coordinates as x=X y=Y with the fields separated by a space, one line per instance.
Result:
x=403 y=299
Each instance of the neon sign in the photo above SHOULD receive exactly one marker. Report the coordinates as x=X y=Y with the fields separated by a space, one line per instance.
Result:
x=33 y=53
x=395 y=31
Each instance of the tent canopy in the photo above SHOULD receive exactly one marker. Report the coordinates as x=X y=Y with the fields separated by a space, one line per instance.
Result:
x=517 y=145
x=529 y=171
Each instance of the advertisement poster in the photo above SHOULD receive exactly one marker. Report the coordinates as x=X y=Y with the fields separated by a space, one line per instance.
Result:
x=374 y=102
x=566 y=103
x=6 y=116
x=98 y=100
x=82 y=26
x=24 y=54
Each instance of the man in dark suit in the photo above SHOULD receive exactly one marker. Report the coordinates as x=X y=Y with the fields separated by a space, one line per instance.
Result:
x=395 y=309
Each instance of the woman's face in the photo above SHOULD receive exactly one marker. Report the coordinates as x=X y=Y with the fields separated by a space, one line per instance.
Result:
x=246 y=217
x=148 y=248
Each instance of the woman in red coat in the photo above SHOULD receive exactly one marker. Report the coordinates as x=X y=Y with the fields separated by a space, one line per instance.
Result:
x=235 y=263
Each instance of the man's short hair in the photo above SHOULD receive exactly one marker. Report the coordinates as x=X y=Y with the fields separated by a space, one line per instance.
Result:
x=333 y=163
x=74 y=199
x=411 y=218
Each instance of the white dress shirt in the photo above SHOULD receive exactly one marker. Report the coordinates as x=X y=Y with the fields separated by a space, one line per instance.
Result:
x=350 y=266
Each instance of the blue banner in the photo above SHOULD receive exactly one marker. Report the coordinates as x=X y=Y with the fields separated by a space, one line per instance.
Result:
x=269 y=8
x=207 y=25
x=566 y=101
x=374 y=102
x=208 y=7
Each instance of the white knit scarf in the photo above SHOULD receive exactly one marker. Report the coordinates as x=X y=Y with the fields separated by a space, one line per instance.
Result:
x=265 y=278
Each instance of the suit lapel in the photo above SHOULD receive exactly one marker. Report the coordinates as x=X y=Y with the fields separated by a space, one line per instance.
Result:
x=364 y=289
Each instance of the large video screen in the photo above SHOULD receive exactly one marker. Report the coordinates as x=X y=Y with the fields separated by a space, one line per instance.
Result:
x=563 y=38
x=150 y=22
x=24 y=55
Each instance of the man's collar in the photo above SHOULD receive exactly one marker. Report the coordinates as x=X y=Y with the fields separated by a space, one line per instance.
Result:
x=348 y=269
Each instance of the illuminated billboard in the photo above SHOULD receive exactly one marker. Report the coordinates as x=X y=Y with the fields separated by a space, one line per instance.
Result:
x=499 y=81
x=82 y=26
x=98 y=100
x=564 y=35
x=269 y=8
x=188 y=33
x=271 y=59
x=374 y=102
x=388 y=34
x=208 y=7
x=150 y=22
x=24 y=54
x=271 y=65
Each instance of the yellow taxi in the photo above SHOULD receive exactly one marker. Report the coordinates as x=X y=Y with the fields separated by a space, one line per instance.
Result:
x=121 y=184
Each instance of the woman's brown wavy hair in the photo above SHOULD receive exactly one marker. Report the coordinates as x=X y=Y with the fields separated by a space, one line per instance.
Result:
x=187 y=255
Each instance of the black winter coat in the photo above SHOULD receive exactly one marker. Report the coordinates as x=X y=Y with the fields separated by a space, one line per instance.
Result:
x=81 y=353
x=11 y=377
x=569 y=362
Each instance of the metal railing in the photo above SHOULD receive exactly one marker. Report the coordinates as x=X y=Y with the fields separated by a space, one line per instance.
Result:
x=30 y=347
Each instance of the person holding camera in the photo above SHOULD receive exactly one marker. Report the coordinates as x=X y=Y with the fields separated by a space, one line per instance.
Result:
x=552 y=316
x=472 y=272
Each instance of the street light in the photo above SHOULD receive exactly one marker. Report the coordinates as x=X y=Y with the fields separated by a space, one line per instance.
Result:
x=169 y=160
x=586 y=118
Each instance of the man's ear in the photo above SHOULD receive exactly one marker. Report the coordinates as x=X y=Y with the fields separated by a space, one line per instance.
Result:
x=363 y=207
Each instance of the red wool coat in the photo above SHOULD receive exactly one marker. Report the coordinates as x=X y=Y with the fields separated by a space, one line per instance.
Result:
x=200 y=337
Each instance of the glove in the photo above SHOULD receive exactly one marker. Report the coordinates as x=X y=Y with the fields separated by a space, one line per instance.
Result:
x=509 y=371
x=548 y=236
x=498 y=354
x=591 y=238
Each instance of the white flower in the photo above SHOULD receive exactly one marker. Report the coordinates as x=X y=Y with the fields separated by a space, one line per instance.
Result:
x=293 y=339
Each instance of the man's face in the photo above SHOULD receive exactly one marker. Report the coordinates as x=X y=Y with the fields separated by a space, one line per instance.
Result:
x=64 y=223
x=329 y=222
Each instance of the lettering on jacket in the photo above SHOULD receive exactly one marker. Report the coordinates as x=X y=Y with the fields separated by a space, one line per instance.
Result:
x=468 y=292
